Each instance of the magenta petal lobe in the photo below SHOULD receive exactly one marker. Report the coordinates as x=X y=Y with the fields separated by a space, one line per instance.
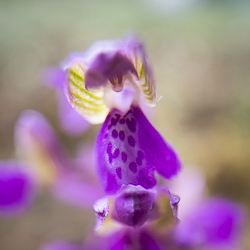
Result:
x=131 y=143
x=157 y=151
x=117 y=146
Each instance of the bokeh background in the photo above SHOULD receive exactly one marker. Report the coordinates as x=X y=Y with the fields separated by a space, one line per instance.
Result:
x=200 y=52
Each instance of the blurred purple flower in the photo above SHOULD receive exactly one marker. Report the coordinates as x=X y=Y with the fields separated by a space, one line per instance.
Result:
x=18 y=187
x=70 y=120
x=36 y=142
x=206 y=223
x=214 y=223
x=61 y=245
x=125 y=239
x=72 y=180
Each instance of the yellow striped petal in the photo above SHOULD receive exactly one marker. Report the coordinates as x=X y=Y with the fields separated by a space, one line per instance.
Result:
x=89 y=104
x=146 y=80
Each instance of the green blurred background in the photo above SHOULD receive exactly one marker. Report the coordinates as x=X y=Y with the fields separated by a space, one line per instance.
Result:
x=200 y=52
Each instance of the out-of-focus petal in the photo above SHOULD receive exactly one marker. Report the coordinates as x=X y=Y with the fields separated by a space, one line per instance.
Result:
x=129 y=150
x=71 y=121
x=121 y=242
x=214 y=223
x=84 y=161
x=37 y=143
x=61 y=245
x=17 y=187
x=133 y=205
x=54 y=77
x=126 y=239
x=76 y=191
x=147 y=242
x=79 y=186
x=190 y=186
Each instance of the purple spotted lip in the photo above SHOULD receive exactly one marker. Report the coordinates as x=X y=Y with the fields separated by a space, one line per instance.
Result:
x=129 y=150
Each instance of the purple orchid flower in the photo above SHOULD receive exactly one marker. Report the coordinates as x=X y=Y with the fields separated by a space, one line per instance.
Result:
x=70 y=120
x=17 y=187
x=71 y=180
x=128 y=148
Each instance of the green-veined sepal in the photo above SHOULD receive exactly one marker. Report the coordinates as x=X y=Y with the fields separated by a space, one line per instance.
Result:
x=146 y=80
x=89 y=104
